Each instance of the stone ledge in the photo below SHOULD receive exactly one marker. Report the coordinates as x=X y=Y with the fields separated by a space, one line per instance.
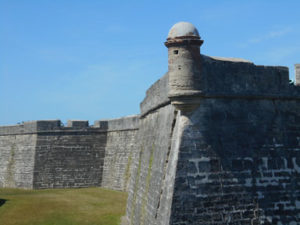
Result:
x=78 y=123
x=123 y=123
x=73 y=126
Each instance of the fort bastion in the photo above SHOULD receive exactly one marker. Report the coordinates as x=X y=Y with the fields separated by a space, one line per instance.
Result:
x=217 y=141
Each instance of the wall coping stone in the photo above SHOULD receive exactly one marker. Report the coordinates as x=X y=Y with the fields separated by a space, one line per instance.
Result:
x=73 y=126
x=123 y=123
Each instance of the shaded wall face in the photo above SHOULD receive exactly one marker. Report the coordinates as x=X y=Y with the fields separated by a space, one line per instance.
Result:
x=69 y=160
x=239 y=163
x=221 y=78
x=17 y=160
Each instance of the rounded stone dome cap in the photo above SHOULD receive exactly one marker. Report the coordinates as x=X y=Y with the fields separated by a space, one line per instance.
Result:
x=182 y=29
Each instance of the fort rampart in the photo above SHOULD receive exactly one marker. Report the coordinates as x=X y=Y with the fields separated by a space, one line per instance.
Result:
x=233 y=159
x=217 y=141
x=45 y=154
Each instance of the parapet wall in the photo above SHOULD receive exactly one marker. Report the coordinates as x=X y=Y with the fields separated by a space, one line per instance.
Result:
x=45 y=154
x=235 y=77
x=229 y=78
x=156 y=96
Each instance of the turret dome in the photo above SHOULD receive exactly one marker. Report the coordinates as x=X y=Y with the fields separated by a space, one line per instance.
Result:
x=182 y=29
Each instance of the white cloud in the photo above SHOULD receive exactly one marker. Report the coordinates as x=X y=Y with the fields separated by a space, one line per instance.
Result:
x=267 y=36
x=271 y=35
x=277 y=55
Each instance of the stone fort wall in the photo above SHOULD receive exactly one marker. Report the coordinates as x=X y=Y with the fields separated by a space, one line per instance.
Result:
x=239 y=154
x=232 y=160
x=44 y=154
x=217 y=141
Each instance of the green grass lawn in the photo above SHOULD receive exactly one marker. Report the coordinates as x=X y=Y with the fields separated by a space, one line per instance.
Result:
x=86 y=206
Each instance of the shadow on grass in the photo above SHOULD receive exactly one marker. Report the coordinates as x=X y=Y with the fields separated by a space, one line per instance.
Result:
x=2 y=202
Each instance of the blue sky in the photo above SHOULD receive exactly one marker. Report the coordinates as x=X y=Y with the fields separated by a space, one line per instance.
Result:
x=95 y=59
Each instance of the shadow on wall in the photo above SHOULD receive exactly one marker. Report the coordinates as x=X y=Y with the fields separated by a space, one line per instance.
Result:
x=240 y=163
x=104 y=125
x=2 y=202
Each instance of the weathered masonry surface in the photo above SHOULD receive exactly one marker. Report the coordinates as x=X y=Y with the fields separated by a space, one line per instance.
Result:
x=239 y=162
x=217 y=142
x=17 y=154
x=43 y=154
x=233 y=160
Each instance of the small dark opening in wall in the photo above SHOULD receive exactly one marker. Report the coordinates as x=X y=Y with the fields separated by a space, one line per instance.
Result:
x=179 y=67
x=175 y=52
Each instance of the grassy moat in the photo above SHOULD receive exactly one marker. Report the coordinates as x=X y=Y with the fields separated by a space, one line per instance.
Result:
x=86 y=206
